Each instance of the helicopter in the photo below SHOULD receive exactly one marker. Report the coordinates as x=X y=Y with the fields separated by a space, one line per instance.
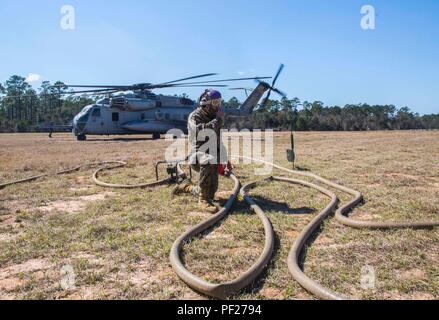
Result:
x=143 y=112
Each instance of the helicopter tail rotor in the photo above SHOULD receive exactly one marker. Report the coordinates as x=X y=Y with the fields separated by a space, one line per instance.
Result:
x=272 y=88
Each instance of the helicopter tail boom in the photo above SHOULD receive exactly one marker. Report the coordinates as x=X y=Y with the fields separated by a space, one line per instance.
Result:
x=251 y=102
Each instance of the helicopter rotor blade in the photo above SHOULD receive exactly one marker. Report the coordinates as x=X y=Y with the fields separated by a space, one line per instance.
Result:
x=149 y=86
x=264 y=103
x=89 y=91
x=227 y=80
x=246 y=90
x=281 y=67
x=140 y=86
x=92 y=86
x=180 y=85
x=195 y=77
x=249 y=89
x=281 y=93
x=272 y=88
x=91 y=94
x=200 y=85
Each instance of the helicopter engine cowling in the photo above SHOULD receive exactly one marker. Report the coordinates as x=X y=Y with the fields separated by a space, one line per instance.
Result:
x=134 y=104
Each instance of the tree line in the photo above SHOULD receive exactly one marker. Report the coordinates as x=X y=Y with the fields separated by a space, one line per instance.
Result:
x=24 y=109
x=292 y=114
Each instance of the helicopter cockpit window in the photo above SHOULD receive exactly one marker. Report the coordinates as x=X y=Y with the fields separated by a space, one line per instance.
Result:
x=104 y=101
x=96 y=113
x=83 y=116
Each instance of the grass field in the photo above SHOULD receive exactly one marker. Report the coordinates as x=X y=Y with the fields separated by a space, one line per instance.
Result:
x=117 y=242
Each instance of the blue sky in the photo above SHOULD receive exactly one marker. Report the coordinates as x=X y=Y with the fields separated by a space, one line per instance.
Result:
x=328 y=56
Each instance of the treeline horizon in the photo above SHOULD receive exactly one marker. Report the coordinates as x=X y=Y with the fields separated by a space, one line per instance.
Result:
x=24 y=109
x=285 y=115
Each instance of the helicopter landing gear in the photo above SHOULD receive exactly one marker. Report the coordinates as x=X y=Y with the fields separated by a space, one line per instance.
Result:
x=155 y=136
x=81 y=137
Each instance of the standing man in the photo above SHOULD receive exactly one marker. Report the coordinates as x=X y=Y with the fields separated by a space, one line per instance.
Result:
x=50 y=129
x=207 y=151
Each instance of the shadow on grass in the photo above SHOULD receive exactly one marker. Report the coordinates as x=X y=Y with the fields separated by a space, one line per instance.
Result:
x=298 y=168
x=270 y=205
x=266 y=205
x=120 y=140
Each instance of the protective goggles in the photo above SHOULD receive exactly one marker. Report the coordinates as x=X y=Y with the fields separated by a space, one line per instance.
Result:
x=215 y=102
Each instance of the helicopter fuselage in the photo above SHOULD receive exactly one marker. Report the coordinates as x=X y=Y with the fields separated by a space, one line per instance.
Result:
x=133 y=115
x=147 y=113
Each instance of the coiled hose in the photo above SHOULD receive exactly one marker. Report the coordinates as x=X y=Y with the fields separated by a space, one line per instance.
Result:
x=115 y=165
x=341 y=215
x=223 y=290
x=303 y=237
x=226 y=289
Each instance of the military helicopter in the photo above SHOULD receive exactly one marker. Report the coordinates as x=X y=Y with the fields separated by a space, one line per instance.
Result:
x=143 y=112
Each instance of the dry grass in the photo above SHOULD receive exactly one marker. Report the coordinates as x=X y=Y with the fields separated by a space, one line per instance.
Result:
x=118 y=241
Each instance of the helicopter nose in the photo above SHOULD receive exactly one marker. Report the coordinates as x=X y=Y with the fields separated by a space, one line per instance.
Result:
x=76 y=126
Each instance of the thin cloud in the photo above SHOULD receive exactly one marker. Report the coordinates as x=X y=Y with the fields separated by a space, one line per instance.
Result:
x=33 y=77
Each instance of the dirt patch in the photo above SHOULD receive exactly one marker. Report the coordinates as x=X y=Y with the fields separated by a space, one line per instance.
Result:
x=323 y=240
x=10 y=284
x=417 y=295
x=13 y=276
x=402 y=175
x=8 y=220
x=90 y=258
x=143 y=273
x=222 y=195
x=14 y=206
x=411 y=274
x=79 y=189
x=197 y=214
x=147 y=273
x=271 y=293
x=8 y=237
x=84 y=293
x=5 y=218
x=82 y=179
x=218 y=235
x=193 y=296
x=25 y=267
x=75 y=205
x=292 y=234
x=6 y=296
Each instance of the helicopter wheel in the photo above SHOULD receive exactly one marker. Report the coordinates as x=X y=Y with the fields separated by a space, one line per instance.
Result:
x=81 y=137
x=156 y=136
